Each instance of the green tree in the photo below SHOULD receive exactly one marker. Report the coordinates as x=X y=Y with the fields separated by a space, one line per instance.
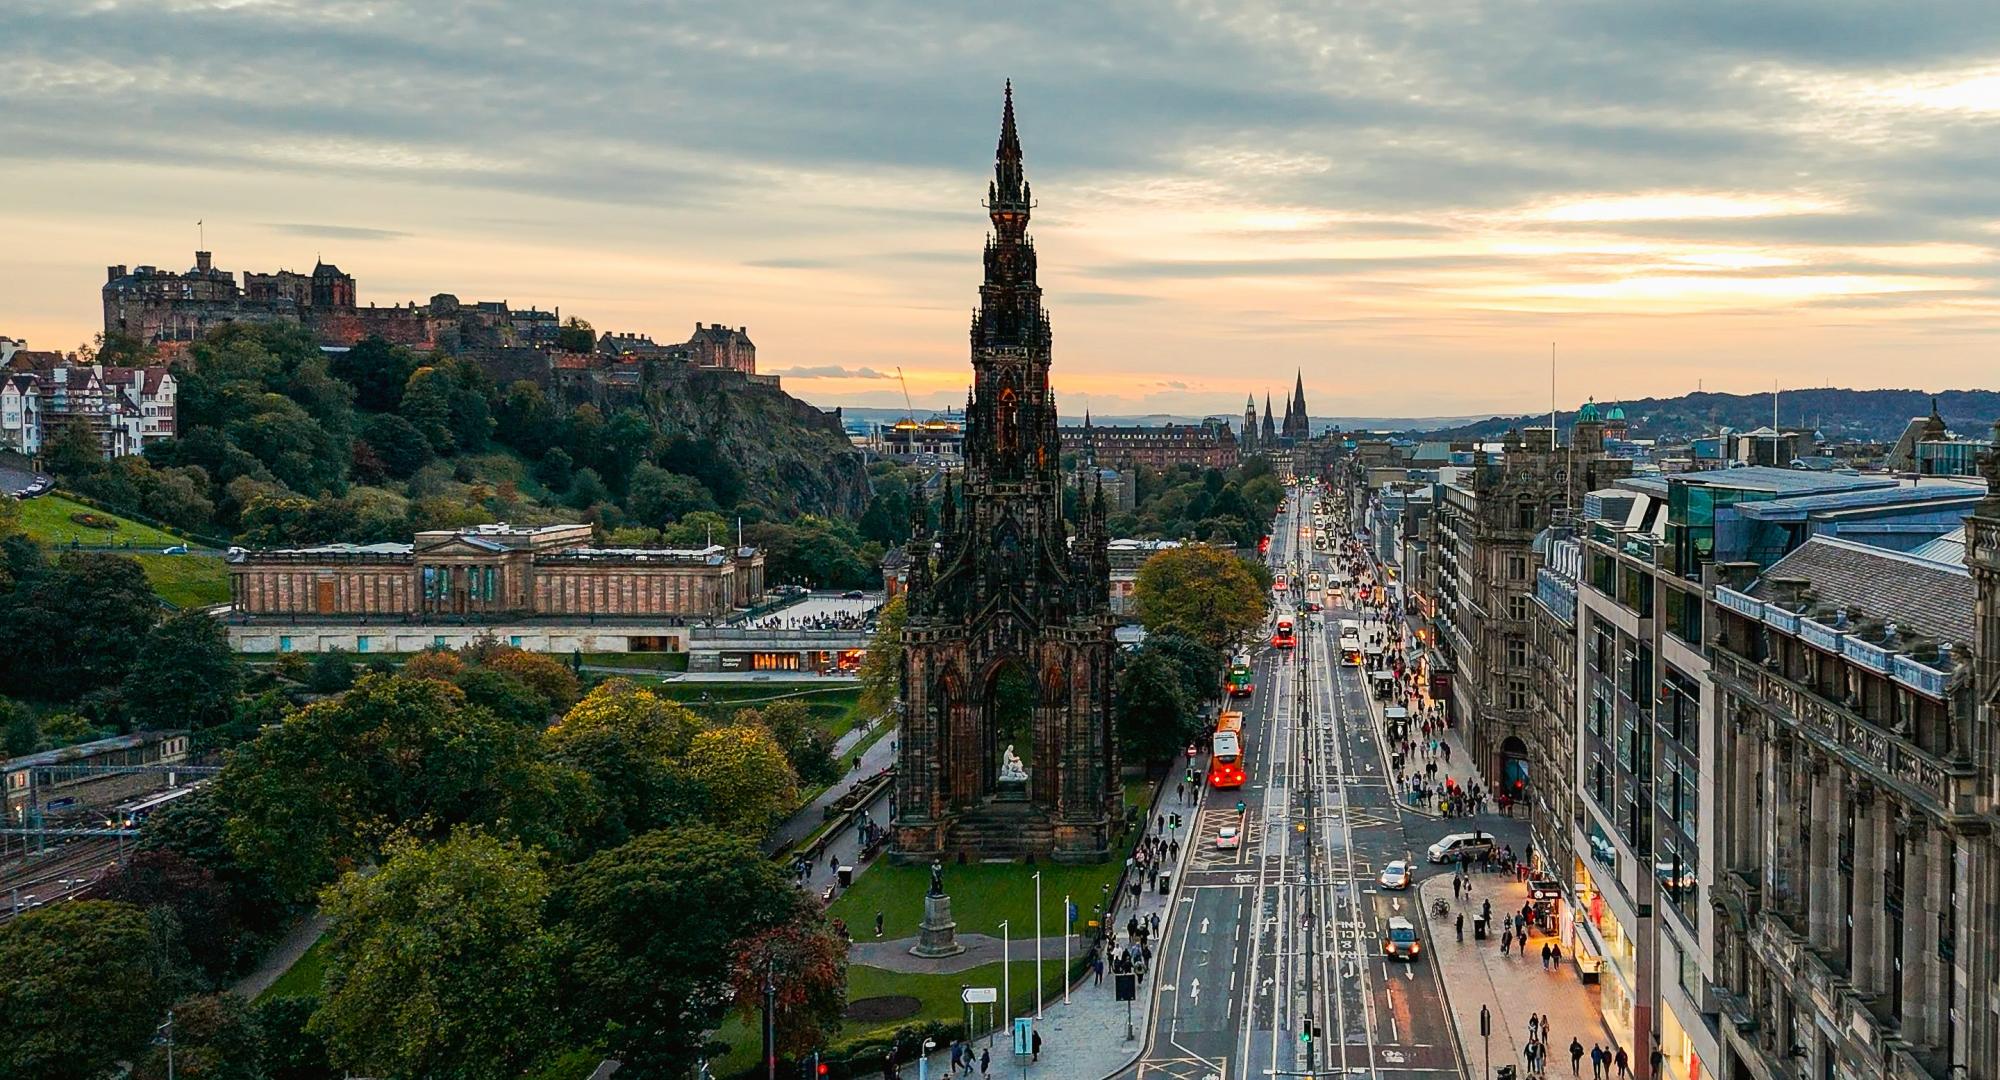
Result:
x=882 y=668
x=586 y=490
x=185 y=675
x=216 y=1037
x=1155 y=717
x=79 y=994
x=73 y=452
x=377 y=370
x=438 y=963
x=744 y=777
x=627 y=740
x=203 y=913
x=657 y=496
x=805 y=743
x=652 y=986
x=427 y=398
x=290 y=1051
x=576 y=336
x=20 y=735
x=1204 y=593
x=75 y=627
x=400 y=445
x=1200 y=667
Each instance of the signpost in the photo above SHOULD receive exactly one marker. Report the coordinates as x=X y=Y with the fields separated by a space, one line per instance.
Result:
x=979 y=995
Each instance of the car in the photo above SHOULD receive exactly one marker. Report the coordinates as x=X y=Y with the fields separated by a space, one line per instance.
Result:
x=1396 y=875
x=1401 y=942
x=177 y=549
x=851 y=594
x=1472 y=845
x=1229 y=837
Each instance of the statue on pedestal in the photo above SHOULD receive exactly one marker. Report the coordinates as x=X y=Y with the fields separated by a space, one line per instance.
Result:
x=1011 y=769
x=937 y=878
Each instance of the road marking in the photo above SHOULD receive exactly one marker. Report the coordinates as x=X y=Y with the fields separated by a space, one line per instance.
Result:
x=1204 y=926
x=1194 y=992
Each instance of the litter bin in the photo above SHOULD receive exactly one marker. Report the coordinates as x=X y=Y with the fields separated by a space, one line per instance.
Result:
x=1504 y=1072
x=1479 y=928
x=1163 y=884
x=846 y=875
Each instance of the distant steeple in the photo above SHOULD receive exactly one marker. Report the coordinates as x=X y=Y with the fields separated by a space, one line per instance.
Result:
x=1268 y=433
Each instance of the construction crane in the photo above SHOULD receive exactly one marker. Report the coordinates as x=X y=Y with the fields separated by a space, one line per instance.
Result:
x=909 y=410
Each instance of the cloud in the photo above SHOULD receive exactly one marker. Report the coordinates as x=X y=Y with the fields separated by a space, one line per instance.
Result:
x=832 y=371
x=790 y=264
x=338 y=232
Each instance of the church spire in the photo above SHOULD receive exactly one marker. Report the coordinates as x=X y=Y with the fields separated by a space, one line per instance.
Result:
x=1008 y=198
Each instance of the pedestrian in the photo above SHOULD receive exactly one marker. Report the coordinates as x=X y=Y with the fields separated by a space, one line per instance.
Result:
x=1154 y=921
x=957 y=1055
x=1545 y=956
x=1459 y=926
x=1555 y=954
x=878 y=924
x=1506 y=939
x=1180 y=792
x=1534 y=1027
x=985 y=1061
x=1096 y=969
x=1624 y=1063
x=1575 y=1058
x=1036 y=1048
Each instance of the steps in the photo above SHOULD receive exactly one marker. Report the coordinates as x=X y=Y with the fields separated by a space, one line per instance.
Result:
x=1002 y=831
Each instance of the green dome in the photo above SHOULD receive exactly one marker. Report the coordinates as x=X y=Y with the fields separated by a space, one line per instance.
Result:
x=1587 y=414
x=1617 y=413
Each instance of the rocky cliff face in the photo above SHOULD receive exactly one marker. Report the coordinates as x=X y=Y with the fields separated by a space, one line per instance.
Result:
x=794 y=457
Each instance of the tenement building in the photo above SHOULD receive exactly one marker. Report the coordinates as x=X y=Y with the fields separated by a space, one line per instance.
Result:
x=1659 y=799
x=1858 y=878
x=1007 y=747
x=307 y=599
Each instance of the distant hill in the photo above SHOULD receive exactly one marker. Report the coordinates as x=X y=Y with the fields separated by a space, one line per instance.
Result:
x=871 y=414
x=1836 y=413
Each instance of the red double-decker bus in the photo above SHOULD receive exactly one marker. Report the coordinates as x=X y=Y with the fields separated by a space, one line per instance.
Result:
x=1225 y=761
x=1282 y=638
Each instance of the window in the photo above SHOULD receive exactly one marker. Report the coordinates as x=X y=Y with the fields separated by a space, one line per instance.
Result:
x=514 y=640
x=1517 y=606
x=1517 y=694
x=1517 y=652
x=1517 y=568
x=361 y=643
x=438 y=641
x=284 y=644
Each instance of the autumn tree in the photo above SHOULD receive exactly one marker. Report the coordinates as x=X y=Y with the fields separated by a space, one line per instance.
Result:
x=437 y=964
x=807 y=964
x=653 y=986
x=805 y=743
x=882 y=668
x=627 y=741
x=745 y=781
x=79 y=994
x=1204 y=593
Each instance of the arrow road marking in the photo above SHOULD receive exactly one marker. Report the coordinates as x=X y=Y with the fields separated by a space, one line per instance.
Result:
x=1194 y=991
x=1204 y=926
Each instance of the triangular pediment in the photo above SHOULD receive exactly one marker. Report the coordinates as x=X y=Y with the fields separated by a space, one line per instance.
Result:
x=459 y=545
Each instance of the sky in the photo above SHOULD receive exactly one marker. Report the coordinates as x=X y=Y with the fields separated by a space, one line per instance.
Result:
x=1413 y=203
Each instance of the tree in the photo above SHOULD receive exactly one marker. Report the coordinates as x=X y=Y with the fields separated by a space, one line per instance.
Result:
x=1200 y=667
x=1204 y=593
x=805 y=743
x=576 y=336
x=290 y=1052
x=75 y=627
x=400 y=445
x=79 y=994
x=377 y=370
x=653 y=986
x=73 y=452
x=627 y=740
x=216 y=1037
x=185 y=675
x=204 y=912
x=657 y=496
x=746 y=782
x=586 y=490
x=1155 y=717
x=20 y=735
x=882 y=668
x=543 y=674
x=438 y=964
x=807 y=964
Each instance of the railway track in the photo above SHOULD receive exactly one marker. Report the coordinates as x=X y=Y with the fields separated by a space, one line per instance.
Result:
x=33 y=881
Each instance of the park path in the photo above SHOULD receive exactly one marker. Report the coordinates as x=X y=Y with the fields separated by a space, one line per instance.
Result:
x=281 y=957
x=813 y=815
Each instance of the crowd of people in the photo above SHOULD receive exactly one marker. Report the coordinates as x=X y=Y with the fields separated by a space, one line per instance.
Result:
x=837 y=620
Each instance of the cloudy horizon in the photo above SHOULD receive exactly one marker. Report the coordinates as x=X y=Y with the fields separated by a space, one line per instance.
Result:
x=1412 y=204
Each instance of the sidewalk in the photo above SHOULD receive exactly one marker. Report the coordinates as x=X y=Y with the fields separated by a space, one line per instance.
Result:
x=813 y=815
x=1512 y=987
x=1083 y=1039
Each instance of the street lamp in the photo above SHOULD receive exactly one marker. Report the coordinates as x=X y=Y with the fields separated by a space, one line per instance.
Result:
x=1007 y=970
x=1038 y=944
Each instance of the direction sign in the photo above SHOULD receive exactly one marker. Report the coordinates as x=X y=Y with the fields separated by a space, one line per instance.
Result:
x=979 y=995
x=1024 y=1035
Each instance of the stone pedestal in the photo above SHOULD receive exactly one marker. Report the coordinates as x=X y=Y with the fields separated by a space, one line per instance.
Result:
x=938 y=933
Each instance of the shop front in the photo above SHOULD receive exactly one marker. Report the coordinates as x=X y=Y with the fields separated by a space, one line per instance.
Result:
x=822 y=661
x=1604 y=948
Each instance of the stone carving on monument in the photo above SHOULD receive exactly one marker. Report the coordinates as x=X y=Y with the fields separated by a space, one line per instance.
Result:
x=1007 y=749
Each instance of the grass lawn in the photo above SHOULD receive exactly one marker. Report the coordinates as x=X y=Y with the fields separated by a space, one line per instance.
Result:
x=46 y=521
x=187 y=580
x=302 y=979
x=576 y=1065
x=982 y=894
x=835 y=708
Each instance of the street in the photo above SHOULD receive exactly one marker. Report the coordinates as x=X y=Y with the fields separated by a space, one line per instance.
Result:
x=1283 y=934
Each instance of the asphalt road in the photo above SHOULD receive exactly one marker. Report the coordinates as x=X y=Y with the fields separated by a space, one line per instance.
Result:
x=1284 y=933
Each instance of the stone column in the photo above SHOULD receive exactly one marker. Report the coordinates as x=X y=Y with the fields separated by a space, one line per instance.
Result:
x=1920 y=984
x=1867 y=907
x=1825 y=909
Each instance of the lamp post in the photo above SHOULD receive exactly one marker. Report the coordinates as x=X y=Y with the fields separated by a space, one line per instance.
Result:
x=1069 y=925
x=1038 y=944
x=1007 y=971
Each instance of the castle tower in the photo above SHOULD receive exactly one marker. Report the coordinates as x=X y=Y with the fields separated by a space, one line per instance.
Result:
x=1007 y=747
